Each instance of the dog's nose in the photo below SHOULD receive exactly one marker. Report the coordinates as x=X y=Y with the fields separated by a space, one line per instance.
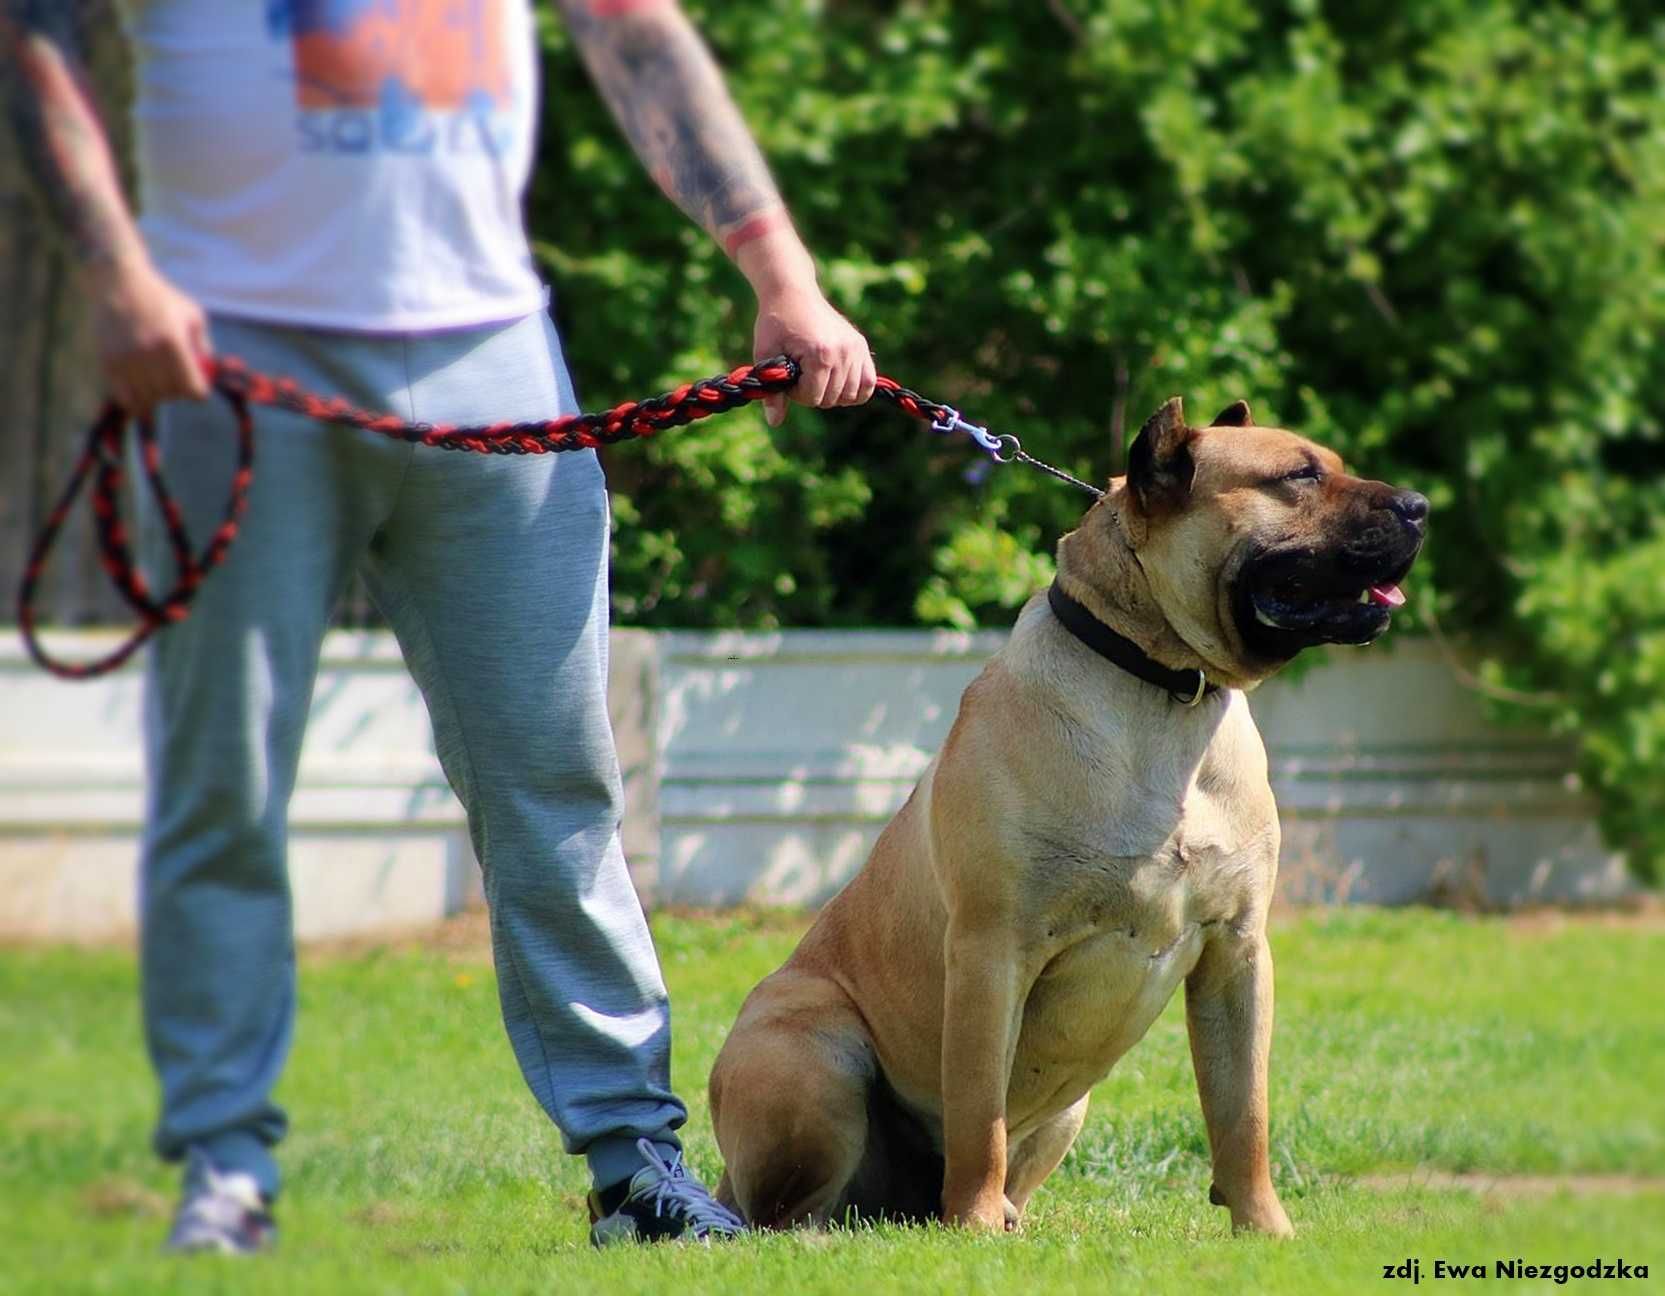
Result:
x=1410 y=505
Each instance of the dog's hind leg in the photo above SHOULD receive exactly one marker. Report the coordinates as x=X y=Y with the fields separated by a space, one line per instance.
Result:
x=789 y=1102
x=1038 y=1155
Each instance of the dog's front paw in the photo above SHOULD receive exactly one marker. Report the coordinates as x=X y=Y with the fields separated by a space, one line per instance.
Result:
x=1273 y=1223
x=983 y=1214
x=1267 y=1218
x=1262 y=1214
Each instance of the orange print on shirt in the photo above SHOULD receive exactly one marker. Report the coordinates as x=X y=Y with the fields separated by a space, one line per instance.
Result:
x=440 y=54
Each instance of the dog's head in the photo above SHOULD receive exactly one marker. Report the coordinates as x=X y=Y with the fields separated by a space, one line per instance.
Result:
x=1256 y=543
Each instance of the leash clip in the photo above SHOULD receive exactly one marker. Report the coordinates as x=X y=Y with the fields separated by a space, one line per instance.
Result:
x=1002 y=448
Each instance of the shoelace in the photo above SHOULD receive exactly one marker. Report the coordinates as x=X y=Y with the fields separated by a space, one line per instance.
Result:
x=684 y=1195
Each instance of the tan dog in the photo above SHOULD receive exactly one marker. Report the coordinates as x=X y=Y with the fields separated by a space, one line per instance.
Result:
x=1082 y=844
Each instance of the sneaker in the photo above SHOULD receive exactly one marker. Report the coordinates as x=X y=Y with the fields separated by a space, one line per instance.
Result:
x=222 y=1211
x=661 y=1201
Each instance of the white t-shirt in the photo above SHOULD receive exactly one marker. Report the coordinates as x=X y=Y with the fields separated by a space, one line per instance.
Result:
x=354 y=164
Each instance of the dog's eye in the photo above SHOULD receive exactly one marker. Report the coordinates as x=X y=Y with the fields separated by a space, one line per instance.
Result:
x=1306 y=472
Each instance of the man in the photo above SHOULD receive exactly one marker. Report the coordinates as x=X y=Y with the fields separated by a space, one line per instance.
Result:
x=331 y=190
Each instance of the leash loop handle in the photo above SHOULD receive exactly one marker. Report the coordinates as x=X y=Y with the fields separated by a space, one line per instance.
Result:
x=100 y=463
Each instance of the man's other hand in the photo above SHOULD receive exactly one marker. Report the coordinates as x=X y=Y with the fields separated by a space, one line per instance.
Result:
x=151 y=338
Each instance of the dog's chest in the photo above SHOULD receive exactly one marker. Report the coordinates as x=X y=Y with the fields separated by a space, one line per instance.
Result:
x=1120 y=929
x=1128 y=939
x=1142 y=869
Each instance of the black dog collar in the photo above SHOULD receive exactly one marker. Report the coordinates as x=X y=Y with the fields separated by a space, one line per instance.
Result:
x=1187 y=687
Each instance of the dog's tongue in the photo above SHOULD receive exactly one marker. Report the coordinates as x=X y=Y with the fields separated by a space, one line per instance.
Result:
x=1387 y=595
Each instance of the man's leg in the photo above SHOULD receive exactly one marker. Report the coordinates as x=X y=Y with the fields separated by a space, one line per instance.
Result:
x=493 y=573
x=226 y=701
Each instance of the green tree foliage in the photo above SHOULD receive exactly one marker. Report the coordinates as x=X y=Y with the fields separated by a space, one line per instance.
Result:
x=1428 y=233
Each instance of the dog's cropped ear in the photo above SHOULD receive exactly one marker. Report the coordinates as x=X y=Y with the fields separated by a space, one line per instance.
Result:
x=1159 y=466
x=1234 y=415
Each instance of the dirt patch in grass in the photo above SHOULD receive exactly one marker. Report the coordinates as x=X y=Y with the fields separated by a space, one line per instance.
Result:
x=1514 y=1187
x=114 y=1197
x=466 y=937
x=762 y=918
x=32 y=1121
x=1642 y=913
x=380 y=1215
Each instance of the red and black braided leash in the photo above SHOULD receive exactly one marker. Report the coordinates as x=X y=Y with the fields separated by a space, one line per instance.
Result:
x=101 y=463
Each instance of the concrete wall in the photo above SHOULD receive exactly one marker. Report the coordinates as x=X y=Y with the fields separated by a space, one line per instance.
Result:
x=782 y=756
x=377 y=841
x=760 y=767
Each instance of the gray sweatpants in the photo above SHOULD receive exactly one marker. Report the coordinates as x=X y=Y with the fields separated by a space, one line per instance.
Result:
x=492 y=571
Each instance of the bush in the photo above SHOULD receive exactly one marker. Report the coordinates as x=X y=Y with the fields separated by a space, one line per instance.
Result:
x=1428 y=234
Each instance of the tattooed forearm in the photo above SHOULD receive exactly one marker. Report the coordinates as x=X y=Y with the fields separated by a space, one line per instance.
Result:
x=664 y=89
x=62 y=143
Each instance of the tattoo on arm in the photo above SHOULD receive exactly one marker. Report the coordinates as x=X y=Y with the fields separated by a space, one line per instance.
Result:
x=666 y=93
x=63 y=145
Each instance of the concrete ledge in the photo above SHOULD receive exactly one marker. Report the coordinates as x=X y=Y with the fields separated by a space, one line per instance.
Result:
x=377 y=840
x=83 y=887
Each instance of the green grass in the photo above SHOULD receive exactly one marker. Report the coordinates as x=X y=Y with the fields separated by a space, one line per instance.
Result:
x=419 y=1163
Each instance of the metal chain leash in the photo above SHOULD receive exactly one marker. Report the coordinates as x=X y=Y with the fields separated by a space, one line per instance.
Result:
x=100 y=463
